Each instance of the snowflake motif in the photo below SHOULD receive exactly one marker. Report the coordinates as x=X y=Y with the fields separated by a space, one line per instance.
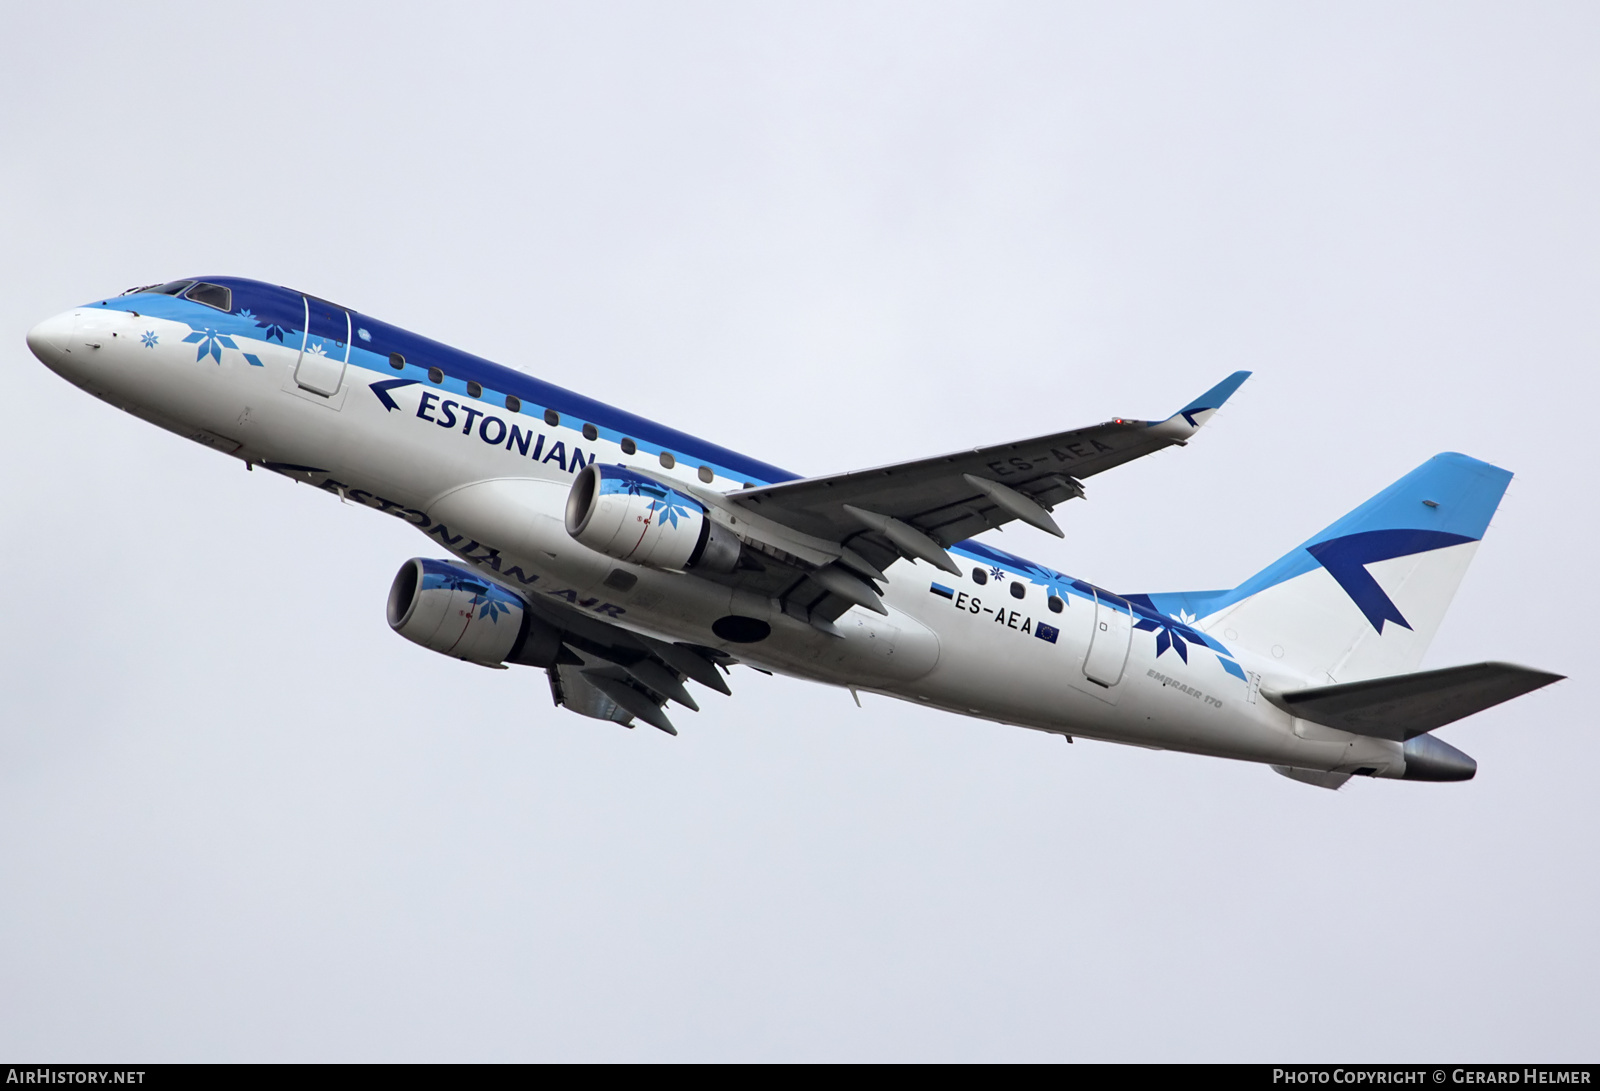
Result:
x=1171 y=634
x=149 y=340
x=317 y=349
x=1052 y=581
x=482 y=596
x=670 y=509
x=631 y=488
x=997 y=573
x=1055 y=585
x=490 y=608
x=211 y=342
x=274 y=331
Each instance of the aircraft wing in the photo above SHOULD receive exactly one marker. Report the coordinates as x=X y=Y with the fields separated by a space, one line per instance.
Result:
x=606 y=672
x=949 y=498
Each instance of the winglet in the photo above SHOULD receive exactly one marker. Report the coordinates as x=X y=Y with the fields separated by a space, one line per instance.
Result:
x=1186 y=421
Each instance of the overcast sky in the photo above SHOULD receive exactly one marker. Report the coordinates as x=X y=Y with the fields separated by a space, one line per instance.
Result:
x=241 y=819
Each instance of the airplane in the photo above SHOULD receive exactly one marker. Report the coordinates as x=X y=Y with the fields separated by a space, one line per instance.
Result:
x=627 y=559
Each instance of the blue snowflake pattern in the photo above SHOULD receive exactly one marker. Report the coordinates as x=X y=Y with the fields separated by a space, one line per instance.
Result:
x=670 y=509
x=997 y=573
x=274 y=332
x=149 y=340
x=482 y=596
x=1171 y=634
x=1052 y=581
x=490 y=608
x=211 y=342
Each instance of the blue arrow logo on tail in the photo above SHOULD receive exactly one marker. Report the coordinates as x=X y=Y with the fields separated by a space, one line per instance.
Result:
x=1346 y=560
x=382 y=391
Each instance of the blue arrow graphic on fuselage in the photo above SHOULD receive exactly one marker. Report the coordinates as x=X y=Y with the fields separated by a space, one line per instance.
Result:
x=382 y=391
x=1346 y=560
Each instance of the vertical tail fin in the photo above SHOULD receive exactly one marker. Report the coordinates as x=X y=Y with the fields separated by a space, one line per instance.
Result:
x=1363 y=598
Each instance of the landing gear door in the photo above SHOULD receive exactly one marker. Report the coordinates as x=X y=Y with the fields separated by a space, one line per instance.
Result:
x=1108 y=642
x=324 y=347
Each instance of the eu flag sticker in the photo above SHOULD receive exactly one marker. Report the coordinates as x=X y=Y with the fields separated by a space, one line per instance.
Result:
x=941 y=589
x=1046 y=632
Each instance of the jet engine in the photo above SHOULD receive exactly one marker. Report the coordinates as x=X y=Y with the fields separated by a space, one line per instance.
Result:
x=623 y=514
x=454 y=611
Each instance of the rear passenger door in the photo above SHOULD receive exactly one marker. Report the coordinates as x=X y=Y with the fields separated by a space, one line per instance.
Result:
x=1109 y=640
x=324 y=347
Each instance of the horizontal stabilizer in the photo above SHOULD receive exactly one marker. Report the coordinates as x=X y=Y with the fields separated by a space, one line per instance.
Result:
x=1407 y=705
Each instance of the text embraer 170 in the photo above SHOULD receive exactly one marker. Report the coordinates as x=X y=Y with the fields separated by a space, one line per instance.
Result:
x=627 y=559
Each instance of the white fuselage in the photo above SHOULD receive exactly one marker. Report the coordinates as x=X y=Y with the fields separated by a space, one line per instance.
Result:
x=440 y=461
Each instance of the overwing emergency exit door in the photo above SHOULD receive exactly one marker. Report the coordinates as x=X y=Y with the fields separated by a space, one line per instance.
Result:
x=324 y=347
x=1108 y=643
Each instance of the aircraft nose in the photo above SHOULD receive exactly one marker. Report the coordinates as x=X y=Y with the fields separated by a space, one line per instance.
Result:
x=49 y=339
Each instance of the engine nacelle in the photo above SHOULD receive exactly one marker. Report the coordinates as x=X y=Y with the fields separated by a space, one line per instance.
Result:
x=625 y=515
x=454 y=611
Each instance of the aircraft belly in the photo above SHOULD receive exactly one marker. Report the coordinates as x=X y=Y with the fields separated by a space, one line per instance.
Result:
x=870 y=651
x=991 y=669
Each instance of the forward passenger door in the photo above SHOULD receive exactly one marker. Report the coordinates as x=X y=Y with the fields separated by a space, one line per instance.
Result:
x=324 y=347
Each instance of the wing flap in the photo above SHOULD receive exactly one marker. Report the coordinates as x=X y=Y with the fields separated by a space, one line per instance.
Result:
x=611 y=673
x=1404 y=706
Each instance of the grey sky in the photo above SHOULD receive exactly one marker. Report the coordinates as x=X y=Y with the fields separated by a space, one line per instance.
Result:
x=240 y=819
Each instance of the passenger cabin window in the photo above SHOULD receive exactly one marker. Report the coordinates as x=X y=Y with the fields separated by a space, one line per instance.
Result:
x=980 y=577
x=551 y=417
x=397 y=361
x=590 y=432
x=172 y=287
x=705 y=474
x=1018 y=591
x=628 y=446
x=474 y=390
x=1056 y=605
x=212 y=295
x=435 y=375
x=667 y=460
x=513 y=403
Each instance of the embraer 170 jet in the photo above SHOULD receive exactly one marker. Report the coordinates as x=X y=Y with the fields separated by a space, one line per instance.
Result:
x=625 y=558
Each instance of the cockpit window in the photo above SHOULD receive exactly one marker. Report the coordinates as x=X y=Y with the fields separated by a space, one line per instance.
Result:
x=172 y=287
x=212 y=295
